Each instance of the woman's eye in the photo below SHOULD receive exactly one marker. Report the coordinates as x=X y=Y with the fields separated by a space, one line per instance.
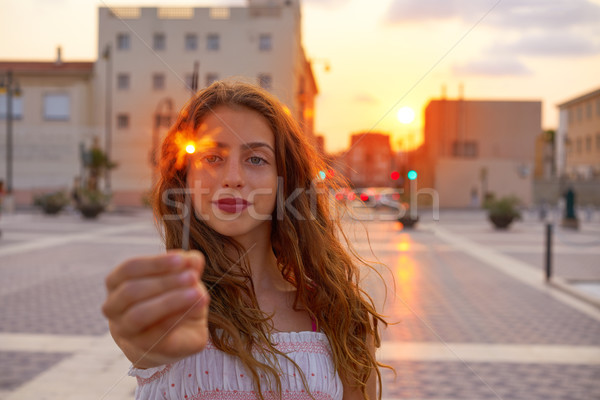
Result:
x=255 y=160
x=211 y=159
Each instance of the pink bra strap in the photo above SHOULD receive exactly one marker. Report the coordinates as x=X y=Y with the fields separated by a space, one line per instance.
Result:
x=313 y=323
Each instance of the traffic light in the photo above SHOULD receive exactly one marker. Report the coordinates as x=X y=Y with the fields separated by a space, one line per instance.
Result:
x=412 y=175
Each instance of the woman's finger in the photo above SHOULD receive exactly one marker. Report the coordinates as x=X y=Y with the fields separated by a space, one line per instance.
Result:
x=143 y=315
x=145 y=266
x=136 y=290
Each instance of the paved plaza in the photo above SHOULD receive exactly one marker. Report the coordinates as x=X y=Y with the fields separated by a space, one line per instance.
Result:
x=472 y=316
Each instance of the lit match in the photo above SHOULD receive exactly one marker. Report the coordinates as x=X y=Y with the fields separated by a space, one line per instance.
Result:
x=185 y=240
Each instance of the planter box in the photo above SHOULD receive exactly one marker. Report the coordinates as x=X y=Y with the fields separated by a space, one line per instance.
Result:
x=91 y=211
x=501 y=221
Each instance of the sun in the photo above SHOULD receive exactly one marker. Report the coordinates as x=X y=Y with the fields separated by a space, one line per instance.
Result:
x=406 y=115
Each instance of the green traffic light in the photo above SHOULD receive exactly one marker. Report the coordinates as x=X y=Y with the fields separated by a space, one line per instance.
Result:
x=412 y=174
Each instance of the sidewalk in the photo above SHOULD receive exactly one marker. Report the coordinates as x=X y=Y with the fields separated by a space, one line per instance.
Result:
x=475 y=322
x=476 y=318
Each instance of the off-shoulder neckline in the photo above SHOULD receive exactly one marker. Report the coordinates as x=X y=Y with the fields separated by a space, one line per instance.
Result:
x=317 y=333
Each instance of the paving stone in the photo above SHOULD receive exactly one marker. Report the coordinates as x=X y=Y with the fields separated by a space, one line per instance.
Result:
x=17 y=368
x=63 y=296
x=451 y=297
x=507 y=381
x=442 y=295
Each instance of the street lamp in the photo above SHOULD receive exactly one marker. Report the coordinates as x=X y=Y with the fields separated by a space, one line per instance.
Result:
x=163 y=119
x=11 y=88
x=108 y=116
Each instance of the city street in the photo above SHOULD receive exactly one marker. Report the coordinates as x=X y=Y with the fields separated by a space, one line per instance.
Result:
x=472 y=317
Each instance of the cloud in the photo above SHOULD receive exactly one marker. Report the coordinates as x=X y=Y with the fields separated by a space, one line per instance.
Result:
x=492 y=67
x=365 y=98
x=418 y=10
x=550 y=44
x=521 y=14
x=545 y=14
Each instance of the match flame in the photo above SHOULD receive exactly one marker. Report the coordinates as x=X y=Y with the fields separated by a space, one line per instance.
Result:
x=187 y=145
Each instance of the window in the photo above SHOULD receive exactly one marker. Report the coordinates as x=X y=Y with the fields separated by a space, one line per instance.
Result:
x=265 y=81
x=588 y=110
x=122 y=121
x=191 y=42
x=212 y=42
x=464 y=149
x=123 y=81
x=17 y=107
x=158 y=81
x=571 y=116
x=57 y=107
x=264 y=42
x=598 y=107
x=211 y=78
x=579 y=113
x=588 y=143
x=219 y=13
x=123 y=42
x=578 y=145
x=597 y=141
x=159 y=41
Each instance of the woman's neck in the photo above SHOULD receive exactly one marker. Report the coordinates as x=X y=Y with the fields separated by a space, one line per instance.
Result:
x=258 y=250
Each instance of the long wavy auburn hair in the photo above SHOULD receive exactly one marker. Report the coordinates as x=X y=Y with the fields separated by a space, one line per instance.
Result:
x=305 y=240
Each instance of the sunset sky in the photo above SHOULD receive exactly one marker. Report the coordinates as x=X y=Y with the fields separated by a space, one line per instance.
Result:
x=384 y=54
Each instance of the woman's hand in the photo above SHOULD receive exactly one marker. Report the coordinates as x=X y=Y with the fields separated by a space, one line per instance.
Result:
x=157 y=307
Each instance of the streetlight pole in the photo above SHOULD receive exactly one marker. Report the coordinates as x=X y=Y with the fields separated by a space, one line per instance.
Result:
x=108 y=117
x=10 y=91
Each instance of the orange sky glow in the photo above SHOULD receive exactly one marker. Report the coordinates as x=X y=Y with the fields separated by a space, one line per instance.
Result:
x=384 y=55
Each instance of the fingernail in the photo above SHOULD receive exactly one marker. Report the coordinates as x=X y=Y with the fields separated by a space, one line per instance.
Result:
x=191 y=294
x=175 y=260
x=186 y=277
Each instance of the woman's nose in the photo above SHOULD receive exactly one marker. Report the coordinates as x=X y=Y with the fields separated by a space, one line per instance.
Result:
x=233 y=175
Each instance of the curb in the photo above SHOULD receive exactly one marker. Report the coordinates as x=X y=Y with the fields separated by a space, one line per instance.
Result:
x=565 y=286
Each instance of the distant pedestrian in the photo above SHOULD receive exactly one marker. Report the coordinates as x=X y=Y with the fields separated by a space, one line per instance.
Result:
x=76 y=191
x=474 y=198
x=1 y=199
x=286 y=318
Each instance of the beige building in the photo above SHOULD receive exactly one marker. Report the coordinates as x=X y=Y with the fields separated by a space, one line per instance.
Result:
x=51 y=118
x=369 y=160
x=127 y=99
x=578 y=137
x=150 y=55
x=474 y=148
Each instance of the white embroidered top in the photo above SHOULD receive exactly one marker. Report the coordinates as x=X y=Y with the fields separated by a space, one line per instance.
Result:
x=215 y=375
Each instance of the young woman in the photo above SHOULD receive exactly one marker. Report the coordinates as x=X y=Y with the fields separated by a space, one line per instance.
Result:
x=286 y=316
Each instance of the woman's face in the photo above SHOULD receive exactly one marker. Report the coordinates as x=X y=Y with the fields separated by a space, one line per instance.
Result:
x=233 y=173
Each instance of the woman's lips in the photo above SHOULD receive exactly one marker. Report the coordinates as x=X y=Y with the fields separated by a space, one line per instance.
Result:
x=231 y=205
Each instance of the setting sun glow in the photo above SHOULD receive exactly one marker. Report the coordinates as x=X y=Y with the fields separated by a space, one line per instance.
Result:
x=406 y=115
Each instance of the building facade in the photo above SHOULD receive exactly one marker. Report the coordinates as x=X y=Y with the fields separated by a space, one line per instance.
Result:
x=475 y=148
x=128 y=97
x=578 y=137
x=369 y=161
x=148 y=58
x=51 y=120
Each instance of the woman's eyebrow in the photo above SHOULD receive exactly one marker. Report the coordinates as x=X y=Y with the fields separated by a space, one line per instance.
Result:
x=243 y=146
x=255 y=145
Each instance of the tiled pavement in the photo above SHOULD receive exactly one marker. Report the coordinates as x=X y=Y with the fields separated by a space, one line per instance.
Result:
x=473 y=316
